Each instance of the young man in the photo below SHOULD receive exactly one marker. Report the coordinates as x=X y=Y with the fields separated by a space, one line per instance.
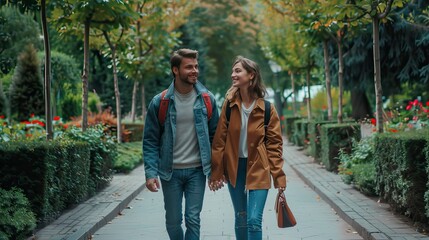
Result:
x=177 y=149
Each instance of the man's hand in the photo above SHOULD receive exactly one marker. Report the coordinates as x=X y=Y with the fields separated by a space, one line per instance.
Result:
x=216 y=185
x=152 y=184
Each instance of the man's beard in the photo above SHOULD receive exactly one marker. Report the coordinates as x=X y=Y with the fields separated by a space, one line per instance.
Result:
x=185 y=79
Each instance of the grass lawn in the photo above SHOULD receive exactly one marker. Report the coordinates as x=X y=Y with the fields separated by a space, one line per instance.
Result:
x=129 y=157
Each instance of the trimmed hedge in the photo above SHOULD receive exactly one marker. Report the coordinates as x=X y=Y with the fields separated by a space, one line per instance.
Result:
x=314 y=137
x=289 y=125
x=401 y=167
x=334 y=137
x=53 y=175
x=300 y=132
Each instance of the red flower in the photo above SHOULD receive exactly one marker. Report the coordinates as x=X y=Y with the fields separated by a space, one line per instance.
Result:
x=282 y=118
x=1 y=116
x=409 y=106
x=56 y=118
x=65 y=126
x=373 y=121
x=32 y=115
x=427 y=104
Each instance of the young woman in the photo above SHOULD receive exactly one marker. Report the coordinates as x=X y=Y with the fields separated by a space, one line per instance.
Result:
x=245 y=153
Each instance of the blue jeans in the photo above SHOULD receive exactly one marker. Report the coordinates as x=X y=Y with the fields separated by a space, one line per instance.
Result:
x=248 y=208
x=189 y=183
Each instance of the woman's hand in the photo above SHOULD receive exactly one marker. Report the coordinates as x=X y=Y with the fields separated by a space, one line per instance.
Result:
x=281 y=189
x=215 y=185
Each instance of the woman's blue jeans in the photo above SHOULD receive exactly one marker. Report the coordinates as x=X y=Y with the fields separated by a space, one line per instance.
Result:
x=189 y=183
x=248 y=206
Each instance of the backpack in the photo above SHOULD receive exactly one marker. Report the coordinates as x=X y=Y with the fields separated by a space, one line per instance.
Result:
x=163 y=106
x=266 y=114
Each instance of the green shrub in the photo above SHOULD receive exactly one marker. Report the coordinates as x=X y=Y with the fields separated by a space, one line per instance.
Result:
x=357 y=167
x=334 y=137
x=314 y=137
x=129 y=156
x=26 y=90
x=102 y=154
x=289 y=125
x=16 y=218
x=401 y=171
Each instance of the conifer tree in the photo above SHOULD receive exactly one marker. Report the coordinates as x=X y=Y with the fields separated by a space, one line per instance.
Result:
x=26 y=90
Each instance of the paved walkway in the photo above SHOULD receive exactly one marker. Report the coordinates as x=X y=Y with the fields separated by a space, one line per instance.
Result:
x=325 y=209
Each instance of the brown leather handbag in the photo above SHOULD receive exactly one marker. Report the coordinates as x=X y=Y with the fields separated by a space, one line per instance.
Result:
x=285 y=217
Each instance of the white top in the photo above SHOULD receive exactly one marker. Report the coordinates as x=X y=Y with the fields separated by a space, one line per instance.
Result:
x=245 y=112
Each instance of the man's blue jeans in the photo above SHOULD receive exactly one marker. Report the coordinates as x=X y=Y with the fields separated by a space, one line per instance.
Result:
x=248 y=207
x=189 y=183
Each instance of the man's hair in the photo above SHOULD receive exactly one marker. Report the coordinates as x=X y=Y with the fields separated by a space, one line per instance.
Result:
x=178 y=55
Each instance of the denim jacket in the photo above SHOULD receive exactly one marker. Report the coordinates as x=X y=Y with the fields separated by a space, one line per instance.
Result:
x=158 y=141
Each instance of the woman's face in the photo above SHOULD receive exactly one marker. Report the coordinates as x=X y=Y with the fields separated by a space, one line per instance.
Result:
x=240 y=77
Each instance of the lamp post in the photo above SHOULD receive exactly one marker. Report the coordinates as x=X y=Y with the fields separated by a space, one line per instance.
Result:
x=275 y=68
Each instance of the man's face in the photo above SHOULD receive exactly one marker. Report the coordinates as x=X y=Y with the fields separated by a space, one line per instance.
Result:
x=187 y=73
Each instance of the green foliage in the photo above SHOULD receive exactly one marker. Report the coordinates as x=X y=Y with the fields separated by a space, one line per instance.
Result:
x=94 y=103
x=16 y=218
x=53 y=175
x=314 y=128
x=102 y=154
x=66 y=84
x=129 y=156
x=357 y=167
x=401 y=171
x=300 y=132
x=334 y=137
x=17 y=30
x=26 y=91
x=319 y=104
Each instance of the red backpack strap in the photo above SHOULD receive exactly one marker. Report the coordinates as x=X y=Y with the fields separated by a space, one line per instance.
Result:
x=163 y=107
x=208 y=103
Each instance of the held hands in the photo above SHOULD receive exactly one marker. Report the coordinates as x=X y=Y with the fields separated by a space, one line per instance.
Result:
x=215 y=185
x=281 y=189
x=152 y=184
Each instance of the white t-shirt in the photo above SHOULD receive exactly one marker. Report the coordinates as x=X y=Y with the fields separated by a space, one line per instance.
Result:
x=245 y=112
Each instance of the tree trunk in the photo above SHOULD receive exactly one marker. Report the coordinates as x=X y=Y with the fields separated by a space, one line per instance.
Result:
x=48 y=112
x=309 y=96
x=85 y=76
x=134 y=101
x=118 y=97
x=292 y=77
x=340 y=81
x=361 y=108
x=116 y=87
x=143 y=102
x=327 y=79
x=377 y=75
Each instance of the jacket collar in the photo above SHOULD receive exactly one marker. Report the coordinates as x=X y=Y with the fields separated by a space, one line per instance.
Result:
x=237 y=101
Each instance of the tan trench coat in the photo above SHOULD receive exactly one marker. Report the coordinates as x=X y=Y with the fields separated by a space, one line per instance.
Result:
x=264 y=160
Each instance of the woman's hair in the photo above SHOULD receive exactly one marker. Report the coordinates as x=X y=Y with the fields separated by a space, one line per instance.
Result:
x=256 y=87
x=177 y=56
